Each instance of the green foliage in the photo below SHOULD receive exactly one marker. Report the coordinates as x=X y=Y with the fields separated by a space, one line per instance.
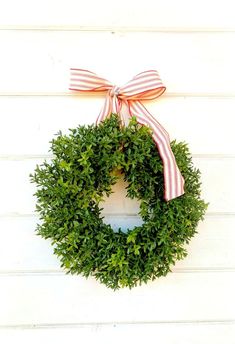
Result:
x=83 y=170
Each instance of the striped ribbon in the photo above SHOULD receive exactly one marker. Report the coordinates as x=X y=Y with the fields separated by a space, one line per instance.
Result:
x=144 y=86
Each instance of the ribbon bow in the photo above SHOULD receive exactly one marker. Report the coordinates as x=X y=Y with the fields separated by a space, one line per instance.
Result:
x=144 y=86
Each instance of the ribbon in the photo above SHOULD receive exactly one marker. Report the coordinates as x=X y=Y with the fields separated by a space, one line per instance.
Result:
x=144 y=86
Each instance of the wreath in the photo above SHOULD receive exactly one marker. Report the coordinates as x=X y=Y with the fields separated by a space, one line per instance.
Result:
x=86 y=163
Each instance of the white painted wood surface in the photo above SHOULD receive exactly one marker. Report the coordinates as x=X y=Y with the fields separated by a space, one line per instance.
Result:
x=32 y=254
x=169 y=333
x=181 y=116
x=192 y=46
x=201 y=64
x=52 y=298
x=151 y=14
x=221 y=197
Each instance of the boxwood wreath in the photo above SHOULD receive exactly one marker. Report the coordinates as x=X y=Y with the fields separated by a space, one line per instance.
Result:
x=86 y=164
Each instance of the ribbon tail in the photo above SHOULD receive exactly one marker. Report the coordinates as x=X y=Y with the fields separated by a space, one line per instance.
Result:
x=173 y=180
x=105 y=111
x=116 y=106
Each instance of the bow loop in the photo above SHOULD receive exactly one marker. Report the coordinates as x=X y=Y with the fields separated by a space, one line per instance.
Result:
x=144 y=86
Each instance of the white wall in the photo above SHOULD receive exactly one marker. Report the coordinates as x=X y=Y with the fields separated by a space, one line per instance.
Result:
x=192 y=46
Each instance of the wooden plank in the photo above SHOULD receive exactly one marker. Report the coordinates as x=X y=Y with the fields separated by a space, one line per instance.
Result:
x=22 y=250
x=25 y=250
x=37 y=119
x=130 y=14
x=71 y=299
x=118 y=333
x=17 y=191
x=202 y=62
x=217 y=183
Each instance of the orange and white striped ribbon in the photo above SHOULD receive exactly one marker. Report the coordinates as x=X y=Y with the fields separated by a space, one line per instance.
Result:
x=144 y=86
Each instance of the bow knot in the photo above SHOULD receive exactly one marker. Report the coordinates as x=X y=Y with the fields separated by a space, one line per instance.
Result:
x=115 y=90
x=144 y=86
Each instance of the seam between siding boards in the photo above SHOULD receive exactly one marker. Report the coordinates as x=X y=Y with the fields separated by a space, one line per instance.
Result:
x=184 y=95
x=34 y=215
x=50 y=156
x=115 y=324
x=35 y=273
x=117 y=29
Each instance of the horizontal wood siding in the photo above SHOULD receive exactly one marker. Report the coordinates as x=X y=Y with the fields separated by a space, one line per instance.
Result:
x=192 y=47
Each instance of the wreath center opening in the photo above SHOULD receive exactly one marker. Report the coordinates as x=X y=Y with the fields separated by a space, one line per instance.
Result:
x=119 y=210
